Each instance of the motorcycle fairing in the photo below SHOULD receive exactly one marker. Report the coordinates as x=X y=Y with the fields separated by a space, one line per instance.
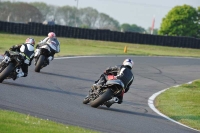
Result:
x=13 y=53
x=110 y=77
x=113 y=82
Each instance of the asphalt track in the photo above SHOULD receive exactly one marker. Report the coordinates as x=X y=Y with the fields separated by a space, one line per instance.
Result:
x=57 y=93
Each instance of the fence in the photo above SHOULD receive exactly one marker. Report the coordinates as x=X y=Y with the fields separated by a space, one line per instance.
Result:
x=97 y=34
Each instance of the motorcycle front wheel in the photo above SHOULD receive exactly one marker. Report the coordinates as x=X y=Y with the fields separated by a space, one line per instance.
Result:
x=5 y=73
x=86 y=100
x=39 y=63
x=102 y=98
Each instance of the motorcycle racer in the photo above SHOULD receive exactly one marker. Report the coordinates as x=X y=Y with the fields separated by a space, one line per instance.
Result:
x=53 y=44
x=27 y=51
x=122 y=72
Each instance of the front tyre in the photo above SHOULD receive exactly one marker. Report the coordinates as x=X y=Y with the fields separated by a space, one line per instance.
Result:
x=86 y=100
x=39 y=63
x=6 y=72
x=102 y=98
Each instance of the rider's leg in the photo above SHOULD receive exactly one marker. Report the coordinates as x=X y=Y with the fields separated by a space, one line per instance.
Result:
x=99 y=83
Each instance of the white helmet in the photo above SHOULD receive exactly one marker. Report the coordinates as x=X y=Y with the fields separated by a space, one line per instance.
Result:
x=128 y=62
x=30 y=41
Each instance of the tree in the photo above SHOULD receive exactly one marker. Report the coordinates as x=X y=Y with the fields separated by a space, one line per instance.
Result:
x=125 y=27
x=180 y=21
x=198 y=22
x=71 y=16
x=132 y=28
x=135 y=28
x=106 y=22
x=66 y=15
x=88 y=17
x=155 y=31
x=48 y=11
x=19 y=12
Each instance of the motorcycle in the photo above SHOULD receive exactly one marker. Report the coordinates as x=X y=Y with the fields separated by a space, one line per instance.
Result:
x=108 y=93
x=41 y=55
x=11 y=65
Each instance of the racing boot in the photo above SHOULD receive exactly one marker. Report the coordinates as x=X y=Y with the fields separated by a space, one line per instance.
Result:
x=112 y=101
x=120 y=98
x=20 y=73
x=50 y=58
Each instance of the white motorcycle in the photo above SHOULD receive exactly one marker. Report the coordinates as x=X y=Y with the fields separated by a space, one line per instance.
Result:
x=42 y=54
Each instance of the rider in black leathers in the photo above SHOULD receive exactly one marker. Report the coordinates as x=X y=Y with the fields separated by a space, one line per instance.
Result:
x=27 y=50
x=122 y=72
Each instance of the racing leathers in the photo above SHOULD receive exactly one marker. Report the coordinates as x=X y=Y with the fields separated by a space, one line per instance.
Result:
x=53 y=45
x=123 y=73
x=27 y=51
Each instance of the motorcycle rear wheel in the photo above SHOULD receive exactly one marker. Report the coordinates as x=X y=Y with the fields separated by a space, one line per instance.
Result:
x=102 y=99
x=5 y=73
x=39 y=63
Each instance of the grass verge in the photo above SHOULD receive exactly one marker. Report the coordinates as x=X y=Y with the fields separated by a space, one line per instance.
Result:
x=12 y=122
x=91 y=47
x=181 y=104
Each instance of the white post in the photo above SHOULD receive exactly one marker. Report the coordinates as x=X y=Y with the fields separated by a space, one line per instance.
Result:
x=152 y=26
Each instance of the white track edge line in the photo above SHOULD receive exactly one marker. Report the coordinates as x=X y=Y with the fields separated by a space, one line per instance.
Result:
x=151 y=105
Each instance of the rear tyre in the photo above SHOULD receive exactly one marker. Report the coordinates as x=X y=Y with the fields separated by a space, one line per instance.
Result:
x=5 y=73
x=102 y=99
x=39 y=63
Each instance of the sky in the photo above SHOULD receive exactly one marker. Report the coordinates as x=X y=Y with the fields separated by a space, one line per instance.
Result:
x=139 y=12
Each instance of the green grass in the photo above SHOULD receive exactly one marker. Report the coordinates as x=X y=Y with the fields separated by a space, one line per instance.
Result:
x=12 y=122
x=181 y=104
x=70 y=47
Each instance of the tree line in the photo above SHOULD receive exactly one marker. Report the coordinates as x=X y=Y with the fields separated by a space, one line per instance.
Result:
x=180 y=21
x=62 y=15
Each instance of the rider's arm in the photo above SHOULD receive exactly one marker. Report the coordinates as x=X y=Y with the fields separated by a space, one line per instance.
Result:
x=57 y=45
x=43 y=42
x=58 y=48
x=31 y=59
x=128 y=86
x=16 y=47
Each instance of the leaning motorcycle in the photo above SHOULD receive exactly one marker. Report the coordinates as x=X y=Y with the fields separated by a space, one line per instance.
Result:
x=11 y=65
x=107 y=95
x=42 y=54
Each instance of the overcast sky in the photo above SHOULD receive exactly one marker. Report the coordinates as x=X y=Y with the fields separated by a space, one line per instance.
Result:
x=140 y=12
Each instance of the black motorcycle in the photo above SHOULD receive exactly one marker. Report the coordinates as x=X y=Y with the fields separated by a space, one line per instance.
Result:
x=107 y=95
x=10 y=65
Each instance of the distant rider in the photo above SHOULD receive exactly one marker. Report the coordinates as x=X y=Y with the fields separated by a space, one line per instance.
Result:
x=27 y=51
x=53 y=44
x=122 y=72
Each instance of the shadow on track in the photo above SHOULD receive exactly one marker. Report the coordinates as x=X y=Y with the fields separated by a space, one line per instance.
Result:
x=65 y=76
x=131 y=112
x=44 y=89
